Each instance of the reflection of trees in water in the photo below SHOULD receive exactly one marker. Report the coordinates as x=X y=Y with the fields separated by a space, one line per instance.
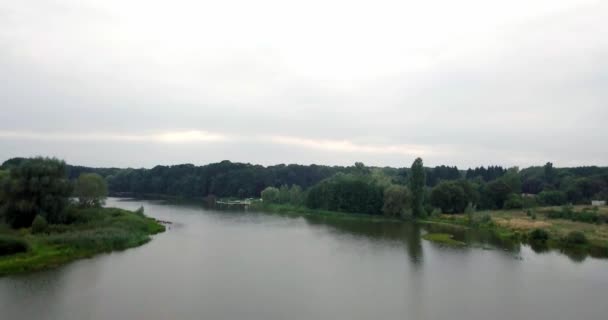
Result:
x=404 y=232
x=576 y=254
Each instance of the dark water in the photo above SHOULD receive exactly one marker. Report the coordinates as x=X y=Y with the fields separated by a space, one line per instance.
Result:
x=238 y=265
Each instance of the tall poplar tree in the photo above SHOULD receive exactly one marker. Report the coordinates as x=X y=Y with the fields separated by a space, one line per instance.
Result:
x=417 y=183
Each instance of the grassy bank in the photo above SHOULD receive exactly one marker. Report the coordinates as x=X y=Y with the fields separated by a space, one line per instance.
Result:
x=92 y=231
x=519 y=224
x=290 y=210
x=512 y=225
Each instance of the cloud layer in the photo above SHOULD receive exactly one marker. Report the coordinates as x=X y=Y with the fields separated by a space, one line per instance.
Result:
x=468 y=83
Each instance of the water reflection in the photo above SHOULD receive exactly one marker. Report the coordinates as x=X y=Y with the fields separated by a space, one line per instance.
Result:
x=246 y=265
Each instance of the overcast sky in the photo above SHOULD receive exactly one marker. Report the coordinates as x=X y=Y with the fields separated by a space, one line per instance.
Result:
x=466 y=83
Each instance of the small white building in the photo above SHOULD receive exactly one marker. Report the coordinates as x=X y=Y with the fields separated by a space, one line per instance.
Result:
x=598 y=203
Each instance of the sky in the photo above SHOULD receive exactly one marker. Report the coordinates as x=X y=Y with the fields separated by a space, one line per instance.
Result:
x=468 y=83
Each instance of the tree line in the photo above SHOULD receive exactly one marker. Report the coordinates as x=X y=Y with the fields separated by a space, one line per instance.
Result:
x=414 y=190
x=37 y=191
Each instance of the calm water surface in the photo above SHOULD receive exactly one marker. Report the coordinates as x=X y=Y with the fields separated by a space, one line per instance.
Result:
x=240 y=265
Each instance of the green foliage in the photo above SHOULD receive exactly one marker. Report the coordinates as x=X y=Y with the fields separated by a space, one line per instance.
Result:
x=94 y=230
x=91 y=190
x=443 y=238
x=469 y=211
x=417 y=184
x=575 y=238
x=352 y=193
x=539 y=235
x=496 y=193
x=140 y=211
x=549 y=173
x=283 y=194
x=296 y=195
x=39 y=225
x=36 y=186
x=552 y=198
x=396 y=201
x=12 y=245
x=587 y=215
x=270 y=195
x=514 y=201
x=485 y=219
x=453 y=196
x=435 y=213
x=512 y=179
x=528 y=201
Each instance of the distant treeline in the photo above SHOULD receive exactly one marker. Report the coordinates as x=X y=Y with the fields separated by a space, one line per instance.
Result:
x=344 y=187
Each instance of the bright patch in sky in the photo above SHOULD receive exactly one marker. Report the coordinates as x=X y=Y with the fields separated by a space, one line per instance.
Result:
x=467 y=83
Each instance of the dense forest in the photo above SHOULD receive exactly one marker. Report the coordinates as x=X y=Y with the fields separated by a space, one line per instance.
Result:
x=360 y=188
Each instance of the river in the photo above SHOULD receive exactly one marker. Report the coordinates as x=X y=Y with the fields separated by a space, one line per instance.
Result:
x=246 y=265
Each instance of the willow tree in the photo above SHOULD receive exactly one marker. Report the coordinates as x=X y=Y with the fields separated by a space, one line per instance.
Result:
x=417 y=183
x=91 y=190
x=37 y=186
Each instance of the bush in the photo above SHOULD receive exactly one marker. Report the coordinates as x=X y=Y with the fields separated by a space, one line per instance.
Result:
x=552 y=198
x=513 y=202
x=568 y=213
x=270 y=195
x=39 y=225
x=539 y=235
x=11 y=245
x=576 y=238
x=485 y=218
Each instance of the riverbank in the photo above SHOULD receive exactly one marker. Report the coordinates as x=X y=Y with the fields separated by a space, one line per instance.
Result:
x=92 y=231
x=556 y=233
x=290 y=210
x=513 y=225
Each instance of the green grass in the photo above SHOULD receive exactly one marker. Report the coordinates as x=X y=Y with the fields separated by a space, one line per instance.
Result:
x=290 y=210
x=93 y=231
x=443 y=238
x=517 y=225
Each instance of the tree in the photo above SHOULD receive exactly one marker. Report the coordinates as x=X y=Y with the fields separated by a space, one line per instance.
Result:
x=91 y=190
x=552 y=198
x=270 y=195
x=283 y=194
x=351 y=193
x=417 y=183
x=496 y=193
x=449 y=197
x=396 y=201
x=36 y=186
x=513 y=179
x=549 y=173
x=296 y=196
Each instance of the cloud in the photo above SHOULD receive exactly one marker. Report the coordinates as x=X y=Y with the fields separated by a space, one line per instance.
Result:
x=471 y=82
x=349 y=146
x=164 y=137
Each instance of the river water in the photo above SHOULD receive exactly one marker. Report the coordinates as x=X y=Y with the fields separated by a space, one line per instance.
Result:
x=246 y=265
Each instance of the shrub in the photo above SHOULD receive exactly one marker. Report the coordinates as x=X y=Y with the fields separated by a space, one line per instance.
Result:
x=485 y=218
x=576 y=238
x=270 y=195
x=552 y=198
x=539 y=235
x=39 y=225
x=513 y=202
x=140 y=211
x=11 y=245
x=436 y=212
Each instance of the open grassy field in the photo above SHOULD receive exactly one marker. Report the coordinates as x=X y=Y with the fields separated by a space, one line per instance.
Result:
x=94 y=230
x=520 y=223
